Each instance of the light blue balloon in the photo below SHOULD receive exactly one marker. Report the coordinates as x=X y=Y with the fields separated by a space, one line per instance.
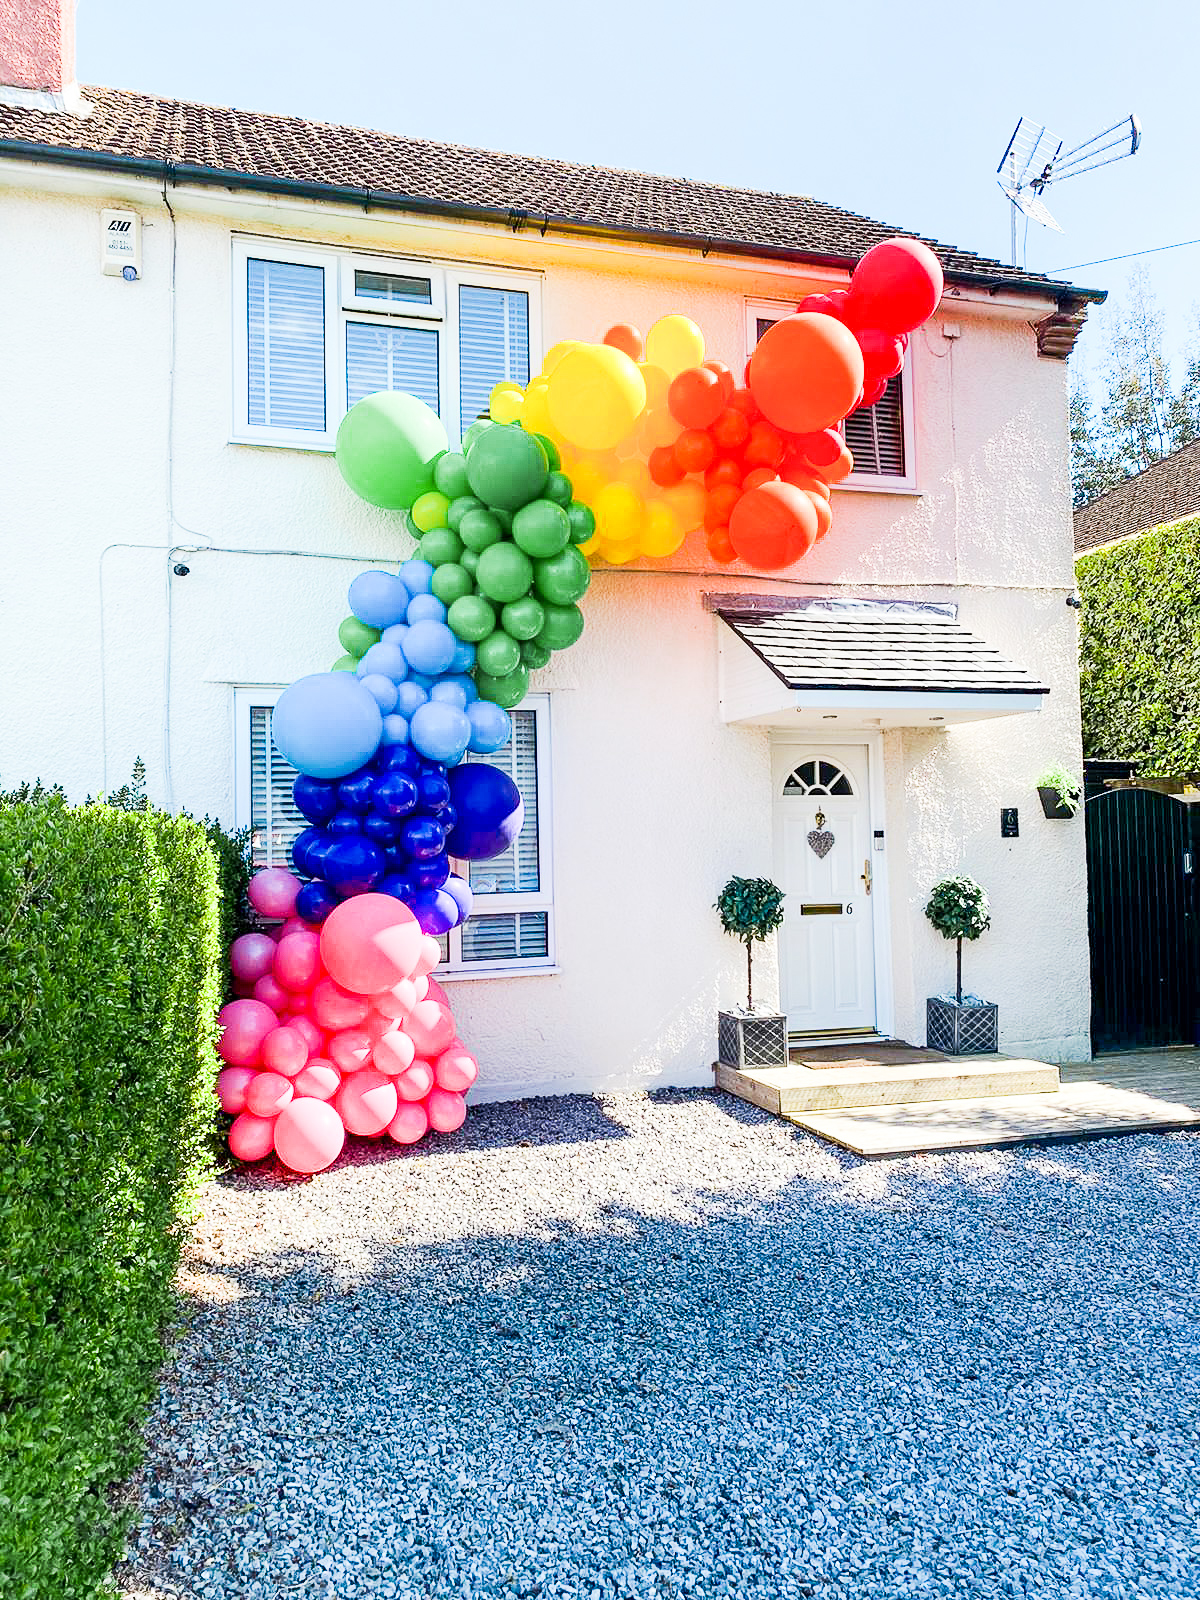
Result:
x=449 y=693
x=440 y=733
x=423 y=681
x=382 y=688
x=395 y=730
x=386 y=660
x=416 y=576
x=379 y=598
x=425 y=608
x=395 y=634
x=409 y=697
x=491 y=727
x=464 y=657
x=465 y=682
x=429 y=647
x=327 y=725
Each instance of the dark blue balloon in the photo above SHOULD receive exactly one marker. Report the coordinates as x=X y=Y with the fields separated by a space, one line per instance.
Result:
x=398 y=884
x=430 y=873
x=308 y=852
x=422 y=837
x=354 y=792
x=316 y=798
x=382 y=830
x=434 y=791
x=353 y=865
x=396 y=794
x=489 y=811
x=315 y=901
x=344 y=824
x=447 y=816
x=399 y=758
x=435 y=910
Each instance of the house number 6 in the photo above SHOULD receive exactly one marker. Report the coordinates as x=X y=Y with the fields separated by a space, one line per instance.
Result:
x=849 y=911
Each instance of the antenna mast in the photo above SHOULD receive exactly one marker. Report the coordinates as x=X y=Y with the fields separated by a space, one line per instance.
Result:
x=1035 y=158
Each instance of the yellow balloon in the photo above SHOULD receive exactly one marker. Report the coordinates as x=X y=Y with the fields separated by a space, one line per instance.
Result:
x=662 y=534
x=506 y=403
x=535 y=413
x=619 y=553
x=636 y=474
x=687 y=501
x=656 y=429
x=592 y=548
x=619 y=513
x=657 y=383
x=596 y=396
x=587 y=479
x=674 y=343
x=555 y=354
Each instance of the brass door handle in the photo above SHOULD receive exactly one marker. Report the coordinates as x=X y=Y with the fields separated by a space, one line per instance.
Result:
x=865 y=874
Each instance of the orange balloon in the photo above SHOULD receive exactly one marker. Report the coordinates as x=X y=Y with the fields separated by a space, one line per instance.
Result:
x=723 y=470
x=759 y=475
x=719 y=547
x=688 y=501
x=773 y=526
x=657 y=384
x=721 y=502
x=694 y=450
x=696 y=398
x=802 y=477
x=806 y=372
x=624 y=336
x=824 y=514
x=841 y=468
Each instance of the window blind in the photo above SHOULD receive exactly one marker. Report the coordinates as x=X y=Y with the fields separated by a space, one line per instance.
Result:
x=515 y=936
x=493 y=346
x=389 y=287
x=285 y=343
x=517 y=870
x=391 y=358
x=274 y=820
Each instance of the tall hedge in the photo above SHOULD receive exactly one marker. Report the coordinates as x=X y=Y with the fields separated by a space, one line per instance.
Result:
x=1139 y=649
x=108 y=988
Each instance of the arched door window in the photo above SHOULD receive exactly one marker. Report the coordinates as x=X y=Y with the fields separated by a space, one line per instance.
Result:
x=818 y=776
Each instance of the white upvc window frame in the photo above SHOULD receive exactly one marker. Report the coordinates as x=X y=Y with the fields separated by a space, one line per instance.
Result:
x=857 y=482
x=342 y=306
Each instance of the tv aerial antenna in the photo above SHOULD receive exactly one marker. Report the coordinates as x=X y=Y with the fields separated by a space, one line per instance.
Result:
x=1035 y=158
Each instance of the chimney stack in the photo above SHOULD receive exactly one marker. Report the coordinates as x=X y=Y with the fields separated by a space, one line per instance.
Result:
x=37 y=56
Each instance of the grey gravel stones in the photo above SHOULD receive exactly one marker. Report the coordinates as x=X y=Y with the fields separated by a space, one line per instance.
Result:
x=662 y=1346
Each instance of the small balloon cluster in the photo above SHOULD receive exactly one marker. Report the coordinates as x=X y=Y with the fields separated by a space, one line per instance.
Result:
x=337 y=1031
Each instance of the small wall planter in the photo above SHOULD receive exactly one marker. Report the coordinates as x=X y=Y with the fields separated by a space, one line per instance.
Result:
x=752 y=1039
x=1054 y=807
x=962 y=1030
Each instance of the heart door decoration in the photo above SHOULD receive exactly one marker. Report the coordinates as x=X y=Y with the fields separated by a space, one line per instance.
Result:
x=821 y=842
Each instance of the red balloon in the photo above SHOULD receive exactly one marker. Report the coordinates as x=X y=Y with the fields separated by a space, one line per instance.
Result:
x=896 y=286
x=832 y=304
x=764 y=447
x=285 y=1050
x=824 y=513
x=872 y=392
x=268 y=1094
x=805 y=372
x=724 y=377
x=694 y=450
x=350 y=1050
x=742 y=400
x=664 y=468
x=719 y=547
x=695 y=398
x=624 y=336
x=725 y=470
x=719 y=505
x=773 y=526
x=821 y=449
x=759 y=475
x=333 y=1008
x=883 y=354
x=731 y=429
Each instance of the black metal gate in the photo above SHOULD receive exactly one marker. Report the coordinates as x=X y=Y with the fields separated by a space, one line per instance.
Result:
x=1142 y=919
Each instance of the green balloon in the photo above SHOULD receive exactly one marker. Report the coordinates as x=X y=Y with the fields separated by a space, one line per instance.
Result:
x=558 y=488
x=564 y=577
x=583 y=523
x=551 y=449
x=503 y=517
x=498 y=655
x=523 y=618
x=541 y=528
x=344 y=664
x=458 y=508
x=471 y=618
x=479 y=528
x=476 y=431
x=439 y=546
x=387 y=446
x=451 y=582
x=534 y=655
x=507 y=467
x=356 y=637
x=562 y=627
x=507 y=691
x=450 y=475
x=505 y=573
x=469 y=562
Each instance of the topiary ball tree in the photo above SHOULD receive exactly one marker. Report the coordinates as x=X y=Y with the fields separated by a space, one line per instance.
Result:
x=750 y=909
x=958 y=909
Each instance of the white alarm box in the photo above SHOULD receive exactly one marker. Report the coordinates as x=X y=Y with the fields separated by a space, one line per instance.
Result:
x=121 y=244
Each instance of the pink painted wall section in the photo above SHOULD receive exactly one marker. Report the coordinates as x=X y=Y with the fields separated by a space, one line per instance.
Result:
x=37 y=44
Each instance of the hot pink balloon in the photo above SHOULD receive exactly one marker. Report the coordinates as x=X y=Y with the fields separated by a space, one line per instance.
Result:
x=244 y=1024
x=430 y=1026
x=350 y=1050
x=366 y=1103
x=334 y=1008
x=298 y=961
x=251 y=955
x=231 y=1088
x=285 y=1050
x=394 y=1053
x=320 y=1080
x=446 y=1111
x=294 y=925
x=309 y=1136
x=309 y=1032
x=431 y=954
x=415 y=1082
x=434 y=991
x=268 y=991
x=268 y=1094
x=410 y=1123
x=273 y=892
x=251 y=1138
x=455 y=1069
x=370 y=942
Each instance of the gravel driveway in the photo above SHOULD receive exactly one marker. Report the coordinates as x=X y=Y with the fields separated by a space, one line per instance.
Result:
x=668 y=1346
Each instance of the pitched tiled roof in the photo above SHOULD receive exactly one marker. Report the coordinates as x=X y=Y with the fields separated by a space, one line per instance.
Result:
x=206 y=143
x=1168 y=490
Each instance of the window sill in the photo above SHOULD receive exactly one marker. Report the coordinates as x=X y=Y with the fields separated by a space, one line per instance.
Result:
x=877 y=486
x=465 y=974
x=306 y=446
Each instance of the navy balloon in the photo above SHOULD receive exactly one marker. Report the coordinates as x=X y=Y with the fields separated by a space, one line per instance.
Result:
x=397 y=884
x=433 y=790
x=422 y=837
x=315 y=901
x=381 y=830
x=490 y=811
x=315 y=798
x=346 y=823
x=308 y=852
x=354 y=792
x=396 y=794
x=430 y=873
x=353 y=865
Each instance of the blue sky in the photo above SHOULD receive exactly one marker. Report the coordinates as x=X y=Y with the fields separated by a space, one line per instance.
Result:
x=899 y=112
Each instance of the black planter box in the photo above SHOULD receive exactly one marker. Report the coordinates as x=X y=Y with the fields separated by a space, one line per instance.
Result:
x=1053 y=807
x=752 y=1039
x=961 y=1030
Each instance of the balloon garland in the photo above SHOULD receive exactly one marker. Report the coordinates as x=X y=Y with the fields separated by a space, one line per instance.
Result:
x=614 y=451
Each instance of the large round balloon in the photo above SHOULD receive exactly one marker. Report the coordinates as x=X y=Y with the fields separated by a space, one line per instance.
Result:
x=370 y=943
x=772 y=526
x=895 y=287
x=507 y=467
x=806 y=372
x=309 y=1135
x=327 y=725
x=596 y=395
x=386 y=448
x=489 y=811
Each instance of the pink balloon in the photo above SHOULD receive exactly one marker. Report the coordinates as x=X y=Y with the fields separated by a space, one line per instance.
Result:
x=268 y=991
x=273 y=892
x=416 y=1082
x=446 y=1111
x=231 y=1088
x=309 y=1135
x=251 y=1138
x=320 y=1080
x=431 y=954
x=410 y=1123
x=370 y=942
x=267 y=1095
x=333 y=1008
x=285 y=1050
x=367 y=1102
x=298 y=961
x=397 y=1001
x=434 y=991
x=430 y=1026
x=244 y=1024
x=350 y=1050
x=309 y=1032
x=455 y=1069
x=394 y=1053
x=421 y=985
x=294 y=925
x=251 y=955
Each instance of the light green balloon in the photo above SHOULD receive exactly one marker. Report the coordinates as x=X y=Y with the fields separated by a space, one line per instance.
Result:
x=387 y=446
x=356 y=637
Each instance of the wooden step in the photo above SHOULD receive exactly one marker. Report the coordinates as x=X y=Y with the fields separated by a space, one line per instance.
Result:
x=798 y=1088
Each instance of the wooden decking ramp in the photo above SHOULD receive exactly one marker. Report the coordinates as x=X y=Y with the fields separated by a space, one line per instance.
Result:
x=896 y=1100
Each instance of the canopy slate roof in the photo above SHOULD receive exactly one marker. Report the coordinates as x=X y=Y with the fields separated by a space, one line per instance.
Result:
x=185 y=141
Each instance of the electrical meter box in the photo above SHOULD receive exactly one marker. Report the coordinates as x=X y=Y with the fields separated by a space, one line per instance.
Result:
x=121 y=244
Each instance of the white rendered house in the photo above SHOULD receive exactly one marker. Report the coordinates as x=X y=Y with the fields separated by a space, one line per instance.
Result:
x=195 y=296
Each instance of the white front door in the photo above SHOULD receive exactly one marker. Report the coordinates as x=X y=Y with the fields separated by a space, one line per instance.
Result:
x=823 y=863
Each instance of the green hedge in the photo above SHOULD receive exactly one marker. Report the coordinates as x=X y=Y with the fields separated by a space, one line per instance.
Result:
x=1139 y=650
x=109 y=967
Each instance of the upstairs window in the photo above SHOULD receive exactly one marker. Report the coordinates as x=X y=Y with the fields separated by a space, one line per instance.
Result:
x=315 y=330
